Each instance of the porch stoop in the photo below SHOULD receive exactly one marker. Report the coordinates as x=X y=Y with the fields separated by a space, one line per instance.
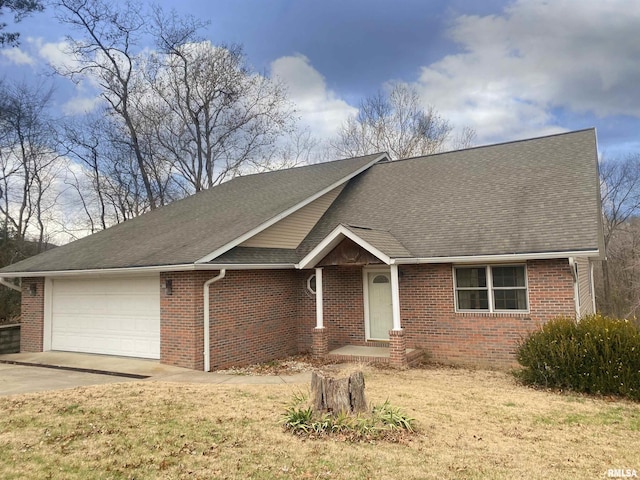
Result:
x=363 y=354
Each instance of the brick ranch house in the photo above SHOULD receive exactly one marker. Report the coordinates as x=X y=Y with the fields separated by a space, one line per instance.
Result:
x=456 y=254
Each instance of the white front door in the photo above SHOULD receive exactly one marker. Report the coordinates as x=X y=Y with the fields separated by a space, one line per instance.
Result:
x=380 y=313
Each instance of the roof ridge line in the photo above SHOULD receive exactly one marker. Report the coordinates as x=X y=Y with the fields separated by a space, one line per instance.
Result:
x=490 y=145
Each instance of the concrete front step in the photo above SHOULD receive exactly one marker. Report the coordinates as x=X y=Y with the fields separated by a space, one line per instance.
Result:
x=362 y=354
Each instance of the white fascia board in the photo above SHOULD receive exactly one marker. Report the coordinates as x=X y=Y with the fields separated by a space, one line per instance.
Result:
x=515 y=257
x=246 y=266
x=237 y=241
x=153 y=269
x=332 y=240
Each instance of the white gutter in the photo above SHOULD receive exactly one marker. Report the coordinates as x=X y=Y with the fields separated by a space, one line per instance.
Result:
x=156 y=268
x=511 y=257
x=207 y=347
x=12 y=286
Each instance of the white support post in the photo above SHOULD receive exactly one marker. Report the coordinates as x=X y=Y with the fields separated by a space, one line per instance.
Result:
x=48 y=314
x=395 y=296
x=319 y=311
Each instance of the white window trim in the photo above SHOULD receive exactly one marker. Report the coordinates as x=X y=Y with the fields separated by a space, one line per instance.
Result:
x=490 y=288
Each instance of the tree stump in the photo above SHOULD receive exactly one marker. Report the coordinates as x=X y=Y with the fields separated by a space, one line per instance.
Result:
x=338 y=394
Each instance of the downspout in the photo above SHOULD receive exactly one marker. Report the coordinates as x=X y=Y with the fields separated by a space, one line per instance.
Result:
x=592 y=287
x=576 y=291
x=207 y=346
x=13 y=286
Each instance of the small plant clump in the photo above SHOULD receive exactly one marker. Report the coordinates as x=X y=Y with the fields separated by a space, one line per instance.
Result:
x=384 y=422
x=595 y=355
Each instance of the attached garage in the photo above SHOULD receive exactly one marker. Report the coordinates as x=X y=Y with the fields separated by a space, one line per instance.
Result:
x=109 y=315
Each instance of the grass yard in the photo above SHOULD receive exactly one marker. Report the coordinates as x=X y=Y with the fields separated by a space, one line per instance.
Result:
x=473 y=424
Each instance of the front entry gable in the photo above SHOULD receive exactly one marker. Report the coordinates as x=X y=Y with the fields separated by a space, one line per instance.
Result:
x=380 y=247
x=348 y=252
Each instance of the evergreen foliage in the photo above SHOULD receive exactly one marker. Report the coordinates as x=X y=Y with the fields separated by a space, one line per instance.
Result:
x=596 y=355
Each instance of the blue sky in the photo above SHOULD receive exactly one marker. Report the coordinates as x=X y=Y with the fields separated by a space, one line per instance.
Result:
x=508 y=69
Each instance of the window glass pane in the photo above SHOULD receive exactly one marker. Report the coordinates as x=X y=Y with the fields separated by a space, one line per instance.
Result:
x=381 y=279
x=510 y=299
x=471 y=277
x=473 y=300
x=508 y=276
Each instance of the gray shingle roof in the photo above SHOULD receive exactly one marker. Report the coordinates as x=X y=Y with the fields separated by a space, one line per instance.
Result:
x=189 y=229
x=382 y=240
x=529 y=196
x=255 y=256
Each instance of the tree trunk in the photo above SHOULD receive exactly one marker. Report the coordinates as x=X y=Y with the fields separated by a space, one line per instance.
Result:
x=338 y=394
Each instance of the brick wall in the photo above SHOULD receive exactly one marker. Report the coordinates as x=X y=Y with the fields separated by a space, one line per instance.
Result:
x=306 y=321
x=343 y=306
x=343 y=309
x=32 y=318
x=486 y=339
x=254 y=316
x=181 y=319
x=428 y=314
x=258 y=316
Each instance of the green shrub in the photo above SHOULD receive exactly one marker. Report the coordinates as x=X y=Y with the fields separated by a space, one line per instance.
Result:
x=594 y=355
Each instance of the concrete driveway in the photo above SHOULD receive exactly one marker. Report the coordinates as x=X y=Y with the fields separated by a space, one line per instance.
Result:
x=16 y=379
x=36 y=372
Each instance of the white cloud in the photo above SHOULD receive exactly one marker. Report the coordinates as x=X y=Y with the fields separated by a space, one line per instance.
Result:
x=516 y=67
x=320 y=108
x=17 y=56
x=55 y=54
x=81 y=105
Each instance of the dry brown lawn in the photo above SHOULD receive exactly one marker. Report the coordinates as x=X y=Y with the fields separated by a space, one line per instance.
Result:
x=473 y=424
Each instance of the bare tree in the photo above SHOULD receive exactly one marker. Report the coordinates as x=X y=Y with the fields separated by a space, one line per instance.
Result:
x=620 y=193
x=623 y=269
x=19 y=9
x=29 y=163
x=395 y=122
x=194 y=114
x=299 y=148
x=212 y=114
x=106 y=180
x=105 y=52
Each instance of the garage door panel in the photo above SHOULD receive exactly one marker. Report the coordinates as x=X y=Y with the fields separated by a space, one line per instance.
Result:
x=115 y=316
x=103 y=303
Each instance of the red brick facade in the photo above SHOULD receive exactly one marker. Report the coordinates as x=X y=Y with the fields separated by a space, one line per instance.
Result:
x=428 y=316
x=488 y=339
x=254 y=316
x=397 y=349
x=181 y=319
x=260 y=315
x=32 y=329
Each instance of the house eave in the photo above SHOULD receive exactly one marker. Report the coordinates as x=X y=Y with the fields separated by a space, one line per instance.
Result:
x=498 y=258
x=332 y=240
x=309 y=261
x=148 y=269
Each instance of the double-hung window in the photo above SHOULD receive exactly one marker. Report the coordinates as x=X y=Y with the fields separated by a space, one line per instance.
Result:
x=491 y=288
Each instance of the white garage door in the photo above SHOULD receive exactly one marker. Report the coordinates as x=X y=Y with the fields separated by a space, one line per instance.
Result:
x=112 y=316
